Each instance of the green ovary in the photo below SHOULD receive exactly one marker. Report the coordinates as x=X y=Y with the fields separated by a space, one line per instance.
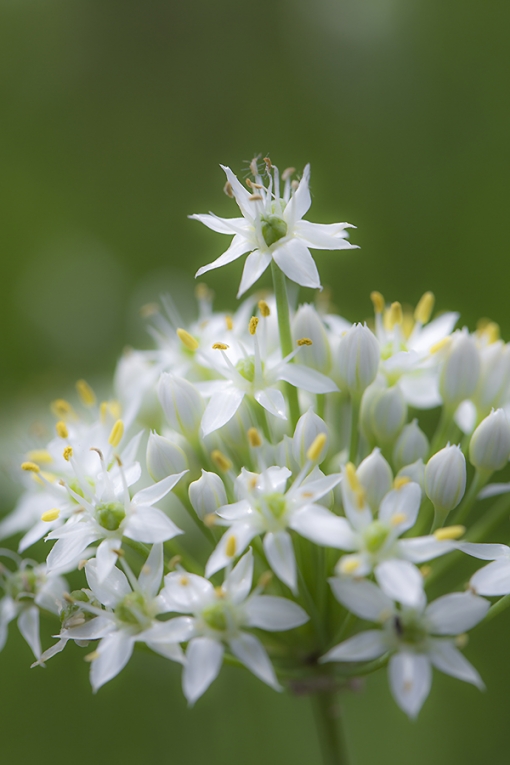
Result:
x=246 y=368
x=215 y=617
x=110 y=515
x=273 y=229
x=133 y=610
x=375 y=535
x=276 y=504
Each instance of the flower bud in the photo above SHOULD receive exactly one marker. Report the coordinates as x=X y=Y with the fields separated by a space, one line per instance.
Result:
x=460 y=371
x=308 y=323
x=412 y=444
x=182 y=404
x=376 y=477
x=490 y=443
x=388 y=414
x=445 y=478
x=164 y=457
x=415 y=471
x=207 y=494
x=357 y=359
x=309 y=426
x=495 y=376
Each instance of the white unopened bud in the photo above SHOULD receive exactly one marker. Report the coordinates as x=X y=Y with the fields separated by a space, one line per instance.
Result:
x=309 y=426
x=376 y=477
x=445 y=478
x=412 y=444
x=357 y=359
x=460 y=371
x=164 y=457
x=207 y=494
x=415 y=471
x=308 y=323
x=494 y=378
x=490 y=443
x=182 y=404
x=388 y=414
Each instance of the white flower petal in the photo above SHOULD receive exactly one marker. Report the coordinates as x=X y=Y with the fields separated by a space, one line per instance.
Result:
x=252 y=654
x=307 y=379
x=401 y=581
x=172 y=651
x=363 y=647
x=150 y=525
x=421 y=389
x=311 y=491
x=221 y=408
x=420 y=549
x=114 y=652
x=236 y=511
x=273 y=402
x=238 y=247
x=185 y=593
x=401 y=503
x=255 y=265
x=67 y=550
x=363 y=598
x=300 y=201
x=8 y=612
x=243 y=532
x=485 y=551
x=152 y=572
x=94 y=629
x=280 y=556
x=494 y=490
x=28 y=624
x=106 y=558
x=33 y=535
x=242 y=196
x=112 y=589
x=455 y=613
x=434 y=332
x=273 y=614
x=493 y=579
x=410 y=681
x=238 y=582
x=178 y=630
x=323 y=527
x=203 y=663
x=324 y=236
x=220 y=225
x=157 y=491
x=445 y=657
x=294 y=259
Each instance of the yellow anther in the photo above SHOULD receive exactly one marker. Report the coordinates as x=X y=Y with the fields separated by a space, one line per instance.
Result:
x=221 y=461
x=61 y=429
x=85 y=392
x=148 y=310
x=377 y=301
x=352 y=477
x=287 y=173
x=398 y=518
x=220 y=347
x=92 y=656
x=62 y=409
x=425 y=571
x=210 y=520
x=349 y=566
x=462 y=640
x=424 y=308
x=304 y=341
x=264 y=308
x=231 y=547
x=255 y=197
x=252 y=483
x=103 y=411
x=492 y=332
x=50 y=515
x=252 y=326
x=68 y=453
x=254 y=437
x=115 y=409
x=440 y=345
x=220 y=592
x=40 y=455
x=190 y=342
x=30 y=467
x=184 y=581
x=450 y=532
x=265 y=579
x=202 y=292
x=401 y=480
x=395 y=314
x=229 y=322
x=116 y=434
x=227 y=189
x=119 y=552
x=315 y=450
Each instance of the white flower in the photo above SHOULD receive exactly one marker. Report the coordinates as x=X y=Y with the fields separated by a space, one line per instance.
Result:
x=207 y=494
x=27 y=590
x=417 y=638
x=130 y=617
x=108 y=514
x=271 y=229
x=494 y=579
x=265 y=507
x=219 y=615
x=460 y=369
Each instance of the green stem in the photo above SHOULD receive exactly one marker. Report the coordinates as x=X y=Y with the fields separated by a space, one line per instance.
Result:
x=282 y=307
x=443 y=430
x=327 y=720
x=497 y=608
x=480 y=478
x=353 y=450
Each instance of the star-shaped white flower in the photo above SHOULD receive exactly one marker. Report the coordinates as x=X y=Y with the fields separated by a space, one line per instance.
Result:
x=219 y=617
x=416 y=638
x=271 y=228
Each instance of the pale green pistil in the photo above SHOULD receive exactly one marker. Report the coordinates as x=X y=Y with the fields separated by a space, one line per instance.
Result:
x=375 y=535
x=22 y=585
x=273 y=229
x=110 y=515
x=133 y=610
x=215 y=617
x=246 y=368
x=410 y=629
x=276 y=504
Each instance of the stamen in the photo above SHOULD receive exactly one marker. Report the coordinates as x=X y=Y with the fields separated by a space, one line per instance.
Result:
x=184 y=581
x=462 y=640
x=398 y=518
x=400 y=481
x=174 y=562
x=264 y=308
x=40 y=455
x=85 y=392
x=92 y=656
x=450 y=532
x=30 y=467
x=230 y=547
x=221 y=461
x=304 y=341
x=377 y=301
x=220 y=347
x=50 y=515
x=220 y=592
x=68 y=453
x=61 y=429
x=425 y=571
x=62 y=409
x=190 y=342
x=287 y=173
x=229 y=322
x=255 y=197
x=314 y=452
x=254 y=437
x=148 y=310
x=349 y=566
x=210 y=520
x=227 y=189
x=424 y=308
x=116 y=434
x=395 y=314
x=265 y=580
x=252 y=326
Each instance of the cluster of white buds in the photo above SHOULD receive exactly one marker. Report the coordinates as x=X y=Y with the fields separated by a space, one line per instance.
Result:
x=253 y=462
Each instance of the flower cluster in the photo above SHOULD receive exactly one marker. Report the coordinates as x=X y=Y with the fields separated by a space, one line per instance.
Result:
x=274 y=487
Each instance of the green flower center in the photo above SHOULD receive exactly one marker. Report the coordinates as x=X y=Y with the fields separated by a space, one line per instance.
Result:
x=132 y=610
x=273 y=229
x=410 y=629
x=375 y=535
x=110 y=515
x=22 y=585
x=276 y=504
x=246 y=368
x=215 y=617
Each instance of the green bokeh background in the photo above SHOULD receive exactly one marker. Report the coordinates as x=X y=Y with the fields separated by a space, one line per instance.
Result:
x=115 y=115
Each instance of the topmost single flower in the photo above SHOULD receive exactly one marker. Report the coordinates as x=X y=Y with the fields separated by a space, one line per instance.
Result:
x=272 y=228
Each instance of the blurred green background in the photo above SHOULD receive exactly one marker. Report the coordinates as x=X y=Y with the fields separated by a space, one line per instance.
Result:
x=115 y=115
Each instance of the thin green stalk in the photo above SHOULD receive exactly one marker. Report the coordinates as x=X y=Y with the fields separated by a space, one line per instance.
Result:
x=355 y=407
x=282 y=307
x=327 y=719
x=443 y=430
x=480 y=478
x=497 y=608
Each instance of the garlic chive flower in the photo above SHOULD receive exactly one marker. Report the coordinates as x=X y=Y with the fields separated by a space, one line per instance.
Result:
x=271 y=228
